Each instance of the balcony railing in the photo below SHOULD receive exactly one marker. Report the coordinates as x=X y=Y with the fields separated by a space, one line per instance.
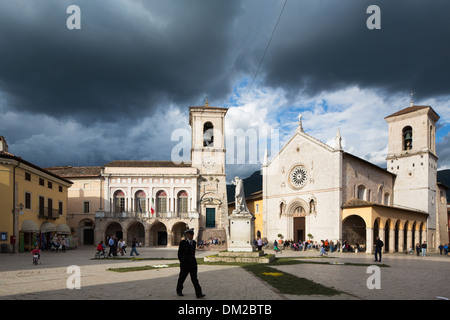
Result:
x=49 y=213
x=146 y=215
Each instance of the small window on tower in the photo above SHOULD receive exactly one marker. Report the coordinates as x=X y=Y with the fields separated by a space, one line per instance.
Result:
x=208 y=134
x=407 y=138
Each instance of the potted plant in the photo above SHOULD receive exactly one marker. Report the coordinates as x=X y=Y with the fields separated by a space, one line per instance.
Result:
x=281 y=238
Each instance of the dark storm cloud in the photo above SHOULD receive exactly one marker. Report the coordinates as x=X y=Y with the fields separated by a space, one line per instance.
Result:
x=131 y=57
x=325 y=45
x=128 y=57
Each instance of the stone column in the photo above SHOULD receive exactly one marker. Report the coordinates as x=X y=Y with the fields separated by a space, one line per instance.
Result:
x=400 y=240
x=369 y=240
x=170 y=238
x=416 y=237
x=409 y=240
x=381 y=234
x=391 y=240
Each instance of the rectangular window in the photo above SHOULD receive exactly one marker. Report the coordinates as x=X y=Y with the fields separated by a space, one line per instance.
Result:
x=161 y=203
x=27 y=200
x=60 y=189
x=120 y=204
x=27 y=176
x=41 y=182
x=50 y=207
x=182 y=205
x=60 y=208
x=41 y=206
x=50 y=185
x=86 y=206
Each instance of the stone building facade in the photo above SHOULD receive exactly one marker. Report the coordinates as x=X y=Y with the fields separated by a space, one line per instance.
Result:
x=312 y=190
x=155 y=201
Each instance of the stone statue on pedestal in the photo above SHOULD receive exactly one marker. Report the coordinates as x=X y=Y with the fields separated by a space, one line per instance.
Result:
x=241 y=222
x=239 y=198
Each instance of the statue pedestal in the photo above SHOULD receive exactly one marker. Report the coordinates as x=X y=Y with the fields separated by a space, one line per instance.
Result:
x=241 y=232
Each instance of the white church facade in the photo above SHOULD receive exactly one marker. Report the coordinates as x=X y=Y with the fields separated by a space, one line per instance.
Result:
x=314 y=191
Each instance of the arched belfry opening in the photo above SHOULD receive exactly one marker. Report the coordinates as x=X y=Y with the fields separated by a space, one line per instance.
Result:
x=407 y=138
x=208 y=134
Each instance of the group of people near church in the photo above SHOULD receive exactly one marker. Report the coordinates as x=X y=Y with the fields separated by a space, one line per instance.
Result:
x=323 y=246
x=327 y=245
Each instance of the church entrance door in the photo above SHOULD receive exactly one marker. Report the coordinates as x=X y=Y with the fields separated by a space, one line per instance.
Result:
x=299 y=229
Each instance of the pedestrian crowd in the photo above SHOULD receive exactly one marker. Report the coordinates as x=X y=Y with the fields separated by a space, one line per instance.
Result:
x=118 y=246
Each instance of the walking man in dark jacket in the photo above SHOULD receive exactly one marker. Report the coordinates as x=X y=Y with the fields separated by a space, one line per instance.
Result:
x=378 y=247
x=188 y=264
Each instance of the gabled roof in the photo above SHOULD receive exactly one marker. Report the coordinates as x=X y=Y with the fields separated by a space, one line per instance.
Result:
x=306 y=136
x=412 y=108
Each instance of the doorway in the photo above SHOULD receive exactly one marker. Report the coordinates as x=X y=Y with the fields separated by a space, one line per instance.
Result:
x=299 y=229
x=210 y=217
x=162 y=238
x=88 y=236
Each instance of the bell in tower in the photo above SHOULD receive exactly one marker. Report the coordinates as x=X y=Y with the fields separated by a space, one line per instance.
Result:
x=407 y=138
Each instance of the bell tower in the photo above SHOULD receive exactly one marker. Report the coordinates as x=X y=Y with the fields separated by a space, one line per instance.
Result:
x=208 y=156
x=412 y=158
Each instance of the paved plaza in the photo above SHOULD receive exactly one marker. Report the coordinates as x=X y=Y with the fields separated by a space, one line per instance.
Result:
x=408 y=277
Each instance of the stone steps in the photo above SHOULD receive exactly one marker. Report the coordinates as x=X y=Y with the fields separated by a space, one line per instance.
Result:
x=207 y=234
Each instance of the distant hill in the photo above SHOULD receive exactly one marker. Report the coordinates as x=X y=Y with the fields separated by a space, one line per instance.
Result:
x=254 y=183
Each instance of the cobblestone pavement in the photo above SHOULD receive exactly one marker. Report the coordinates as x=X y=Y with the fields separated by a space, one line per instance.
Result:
x=408 y=277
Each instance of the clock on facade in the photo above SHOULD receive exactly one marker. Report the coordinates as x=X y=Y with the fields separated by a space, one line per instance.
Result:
x=208 y=162
x=298 y=176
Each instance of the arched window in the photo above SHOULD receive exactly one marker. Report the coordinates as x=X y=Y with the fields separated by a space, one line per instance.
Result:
x=361 y=192
x=140 y=202
x=407 y=138
x=161 y=202
x=386 y=198
x=119 y=201
x=208 y=134
x=380 y=195
x=182 y=201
